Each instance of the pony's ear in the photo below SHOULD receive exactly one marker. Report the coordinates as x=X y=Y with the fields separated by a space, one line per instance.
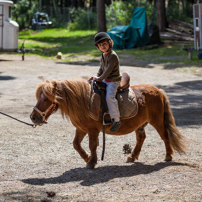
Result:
x=54 y=83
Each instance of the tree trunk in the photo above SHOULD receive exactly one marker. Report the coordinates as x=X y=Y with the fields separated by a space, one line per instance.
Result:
x=55 y=7
x=101 y=18
x=161 y=14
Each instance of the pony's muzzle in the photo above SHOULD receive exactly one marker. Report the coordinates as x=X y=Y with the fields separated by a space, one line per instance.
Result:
x=36 y=119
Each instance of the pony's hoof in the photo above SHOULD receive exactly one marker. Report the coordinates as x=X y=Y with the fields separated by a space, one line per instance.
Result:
x=86 y=159
x=90 y=166
x=168 y=158
x=130 y=160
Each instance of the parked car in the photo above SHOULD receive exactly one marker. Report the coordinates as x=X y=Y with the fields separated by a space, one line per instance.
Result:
x=40 y=21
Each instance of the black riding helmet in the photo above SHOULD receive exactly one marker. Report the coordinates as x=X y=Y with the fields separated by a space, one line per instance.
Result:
x=100 y=37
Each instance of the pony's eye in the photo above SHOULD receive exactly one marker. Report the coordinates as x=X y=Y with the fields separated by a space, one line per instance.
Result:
x=46 y=99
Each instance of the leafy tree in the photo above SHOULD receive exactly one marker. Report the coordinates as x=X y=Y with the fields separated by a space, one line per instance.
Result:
x=183 y=13
x=120 y=12
x=82 y=19
x=23 y=12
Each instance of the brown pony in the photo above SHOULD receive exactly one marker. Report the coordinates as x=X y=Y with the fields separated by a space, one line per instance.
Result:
x=72 y=98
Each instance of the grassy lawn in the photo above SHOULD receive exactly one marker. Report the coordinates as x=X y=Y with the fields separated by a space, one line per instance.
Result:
x=48 y=42
x=79 y=45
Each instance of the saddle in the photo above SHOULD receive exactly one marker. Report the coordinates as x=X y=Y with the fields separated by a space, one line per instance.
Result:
x=124 y=84
x=125 y=96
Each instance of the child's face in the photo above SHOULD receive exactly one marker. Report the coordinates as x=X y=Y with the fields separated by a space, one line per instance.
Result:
x=103 y=46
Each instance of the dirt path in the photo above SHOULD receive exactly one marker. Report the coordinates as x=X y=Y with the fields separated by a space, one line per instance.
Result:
x=37 y=161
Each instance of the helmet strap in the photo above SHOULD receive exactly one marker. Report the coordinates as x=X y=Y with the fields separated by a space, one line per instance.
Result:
x=109 y=46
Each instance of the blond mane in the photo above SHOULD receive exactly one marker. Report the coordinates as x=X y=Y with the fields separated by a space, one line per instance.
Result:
x=71 y=95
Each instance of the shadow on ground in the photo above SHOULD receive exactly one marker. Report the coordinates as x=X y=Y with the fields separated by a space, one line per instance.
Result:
x=2 y=60
x=89 y=63
x=172 y=62
x=101 y=174
x=186 y=102
x=6 y=77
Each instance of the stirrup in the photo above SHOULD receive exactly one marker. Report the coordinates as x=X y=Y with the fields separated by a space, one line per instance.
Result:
x=107 y=119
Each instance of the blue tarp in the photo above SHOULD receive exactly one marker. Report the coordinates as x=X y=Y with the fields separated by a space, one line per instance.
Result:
x=136 y=34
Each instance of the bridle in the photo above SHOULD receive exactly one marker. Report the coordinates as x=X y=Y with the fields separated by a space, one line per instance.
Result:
x=43 y=114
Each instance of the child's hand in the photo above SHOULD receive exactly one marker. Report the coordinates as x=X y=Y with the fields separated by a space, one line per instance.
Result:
x=95 y=78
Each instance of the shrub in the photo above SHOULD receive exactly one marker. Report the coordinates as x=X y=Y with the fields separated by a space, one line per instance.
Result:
x=23 y=12
x=120 y=12
x=180 y=11
x=82 y=20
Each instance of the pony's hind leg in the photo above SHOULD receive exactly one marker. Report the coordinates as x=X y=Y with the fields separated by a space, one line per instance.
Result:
x=77 y=145
x=159 y=126
x=140 y=137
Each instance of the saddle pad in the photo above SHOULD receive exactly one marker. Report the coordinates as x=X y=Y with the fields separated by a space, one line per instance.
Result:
x=127 y=105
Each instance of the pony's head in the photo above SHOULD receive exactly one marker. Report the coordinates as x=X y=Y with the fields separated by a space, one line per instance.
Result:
x=70 y=96
x=46 y=102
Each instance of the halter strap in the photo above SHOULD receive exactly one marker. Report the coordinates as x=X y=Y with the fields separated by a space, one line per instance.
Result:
x=43 y=114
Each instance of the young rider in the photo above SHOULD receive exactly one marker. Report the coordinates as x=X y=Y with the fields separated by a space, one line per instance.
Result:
x=109 y=73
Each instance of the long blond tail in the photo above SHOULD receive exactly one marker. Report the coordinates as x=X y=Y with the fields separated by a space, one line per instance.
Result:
x=177 y=140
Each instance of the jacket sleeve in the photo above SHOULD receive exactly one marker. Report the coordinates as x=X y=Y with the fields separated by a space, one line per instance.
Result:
x=100 y=71
x=113 y=61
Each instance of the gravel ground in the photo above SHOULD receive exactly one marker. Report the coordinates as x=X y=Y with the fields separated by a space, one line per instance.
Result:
x=40 y=164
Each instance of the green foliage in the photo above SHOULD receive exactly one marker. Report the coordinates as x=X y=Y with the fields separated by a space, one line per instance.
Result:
x=82 y=20
x=75 y=45
x=151 y=14
x=59 y=21
x=120 y=12
x=180 y=11
x=50 y=41
x=117 y=13
x=23 y=12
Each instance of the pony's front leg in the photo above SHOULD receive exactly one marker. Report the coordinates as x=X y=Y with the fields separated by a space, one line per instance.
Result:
x=140 y=137
x=77 y=145
x=93 y=143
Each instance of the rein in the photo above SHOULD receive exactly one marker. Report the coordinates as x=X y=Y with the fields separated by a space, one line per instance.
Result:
x=18 y=120
x=103 y=148
x=102 y=88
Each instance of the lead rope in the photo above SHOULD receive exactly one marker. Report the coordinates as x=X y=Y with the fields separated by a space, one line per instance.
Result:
x=18 y=120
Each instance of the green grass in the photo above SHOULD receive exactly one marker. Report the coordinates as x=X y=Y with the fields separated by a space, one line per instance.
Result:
x=49 y=42
x=80 y=44
x=196 y=70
